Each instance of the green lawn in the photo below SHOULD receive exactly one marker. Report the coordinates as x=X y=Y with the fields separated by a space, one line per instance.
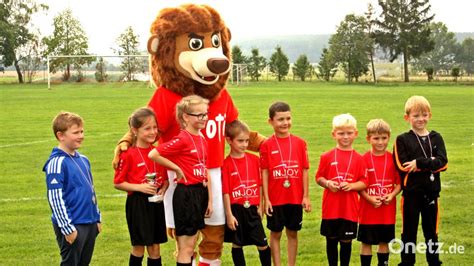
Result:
x=26 y=235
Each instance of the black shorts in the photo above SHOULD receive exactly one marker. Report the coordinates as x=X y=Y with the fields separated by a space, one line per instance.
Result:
x=341 y=229
x=288 y=215
x=189 y=207
x=250 y=230
x=146 y=220
x=374 y=234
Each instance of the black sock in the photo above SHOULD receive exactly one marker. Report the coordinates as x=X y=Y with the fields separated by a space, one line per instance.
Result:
x=238 y=256
x=345 y=253
x=265 y=256
x=383 y=258
x=135 y=261
x=365 y=260
x=153 y=262
x=331 y=251
x=184 y=264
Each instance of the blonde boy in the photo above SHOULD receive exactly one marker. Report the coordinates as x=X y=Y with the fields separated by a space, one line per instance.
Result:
x=341 y=173
x=420 y=156
x=378 y=203
x=71 y=195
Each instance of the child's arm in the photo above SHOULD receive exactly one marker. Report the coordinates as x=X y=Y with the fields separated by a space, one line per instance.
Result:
x=260 y=206
x=155 y=156
x=388 y=198
x=209 y=193
x=439 y=161
x=357 y=186
x=268 y=205
x=306 y=201
x=329 y=184
x=143 y=188
x=373 y=200
x=232 y=223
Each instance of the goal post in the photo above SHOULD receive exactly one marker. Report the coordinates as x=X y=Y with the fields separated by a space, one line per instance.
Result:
x=52 y=57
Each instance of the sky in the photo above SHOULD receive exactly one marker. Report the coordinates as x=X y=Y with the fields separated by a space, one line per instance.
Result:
x=103 y=21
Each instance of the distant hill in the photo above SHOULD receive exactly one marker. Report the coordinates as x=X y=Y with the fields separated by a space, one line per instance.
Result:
x=296 y=45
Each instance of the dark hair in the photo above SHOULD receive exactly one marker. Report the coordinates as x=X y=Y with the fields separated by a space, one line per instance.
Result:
x=277 y=107
x=234 y=128
x=138 y=118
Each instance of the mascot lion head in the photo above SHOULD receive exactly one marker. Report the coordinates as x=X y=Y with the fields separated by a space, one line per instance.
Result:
x=189 y=50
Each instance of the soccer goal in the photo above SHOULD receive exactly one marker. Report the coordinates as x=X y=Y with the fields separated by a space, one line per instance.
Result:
x=239 y=74
x=97 y=68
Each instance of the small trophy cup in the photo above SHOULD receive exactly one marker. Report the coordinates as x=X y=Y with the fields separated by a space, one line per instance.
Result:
x=151 y=179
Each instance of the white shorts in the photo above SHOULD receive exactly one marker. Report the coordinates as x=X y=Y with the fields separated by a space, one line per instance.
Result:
x=218 y=212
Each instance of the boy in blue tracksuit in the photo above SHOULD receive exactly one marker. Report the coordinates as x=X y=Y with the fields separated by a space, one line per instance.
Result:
x=71 y=195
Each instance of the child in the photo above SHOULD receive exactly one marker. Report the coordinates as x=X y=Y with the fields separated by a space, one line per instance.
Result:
x=141 y=178
x=72 y=199
x=186 y=155
x=341 y=173
x=420 y=156
x=284 y=162
x=242 y=196
x=378 y=204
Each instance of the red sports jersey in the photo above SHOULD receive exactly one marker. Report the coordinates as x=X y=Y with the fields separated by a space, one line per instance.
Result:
x=333 y=165
x=134 y=165
x=241 y=179
x=189 y=152
x=282 y=165
x=221 y=111
x=379 y=185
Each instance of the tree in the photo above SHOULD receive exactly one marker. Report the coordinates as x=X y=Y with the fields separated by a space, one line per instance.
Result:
x=442 y=57
x=465 y=56
x=101 y=70
x=68 y=39
x=403 y=29
x=16 y=31
x=31 y=52
x=237 y=58
x=369 y=16
x=128 y=45
x=256 y=64
x=350 y=46
x=302 y=67
x=327 y=66
x=279 y=63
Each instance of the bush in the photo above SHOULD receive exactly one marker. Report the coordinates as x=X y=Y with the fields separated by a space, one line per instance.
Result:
x=429 y=73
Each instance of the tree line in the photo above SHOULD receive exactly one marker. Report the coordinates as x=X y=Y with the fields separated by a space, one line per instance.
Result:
x=403 y=30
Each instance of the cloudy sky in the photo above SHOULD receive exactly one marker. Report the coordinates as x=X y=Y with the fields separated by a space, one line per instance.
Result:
x=104 y=21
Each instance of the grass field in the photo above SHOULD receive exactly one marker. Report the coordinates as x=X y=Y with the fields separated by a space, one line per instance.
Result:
x=26 y=235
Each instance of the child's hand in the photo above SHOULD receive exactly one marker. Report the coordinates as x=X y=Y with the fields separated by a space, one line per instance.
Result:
x=180 y=174
x=268 y=208
x=332 y=186
x=99 y=227
x=376 y=201
x=208 y=210
x=387 y=198
x=71 y=237
x=147 y=188
x=232 y=223
x=306 y=204
x=345 y=186
x=410 y=166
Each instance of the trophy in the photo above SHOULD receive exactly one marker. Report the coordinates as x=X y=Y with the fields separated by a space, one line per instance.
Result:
x=151 y=179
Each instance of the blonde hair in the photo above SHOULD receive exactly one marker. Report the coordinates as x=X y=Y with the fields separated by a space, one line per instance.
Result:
x=344 y=120
x=378 y=126
x=138 y=118
x=234 y=128
x=417 y=103
x=65 y=120
x=186 y=105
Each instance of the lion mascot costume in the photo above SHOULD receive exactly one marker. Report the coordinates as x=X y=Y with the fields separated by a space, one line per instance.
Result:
x=190 y=54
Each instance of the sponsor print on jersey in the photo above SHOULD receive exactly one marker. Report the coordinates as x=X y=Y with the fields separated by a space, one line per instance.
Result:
x=378 y=190
x=199 y=170
x=244 y=191
x=216 y=127
x=285 y=171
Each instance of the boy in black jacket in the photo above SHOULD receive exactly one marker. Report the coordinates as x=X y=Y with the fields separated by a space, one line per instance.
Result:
x=420 y=156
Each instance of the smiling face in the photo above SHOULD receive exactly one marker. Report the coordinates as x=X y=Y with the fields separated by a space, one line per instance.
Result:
x=71 y=139
x=196 y=119
x=281 y=123
x=378 y=142
x=146 y=134
x=418 y=120
x=344 y=137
